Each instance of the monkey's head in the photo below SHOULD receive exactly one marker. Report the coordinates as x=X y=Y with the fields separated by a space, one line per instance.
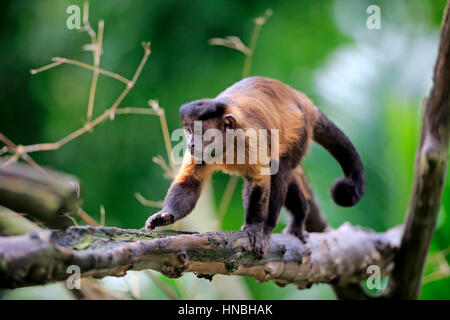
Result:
x=204 y=121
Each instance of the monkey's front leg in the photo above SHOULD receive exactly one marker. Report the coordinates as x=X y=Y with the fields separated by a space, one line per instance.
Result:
x=181 y=198
x=256 y=201
x=179 y=202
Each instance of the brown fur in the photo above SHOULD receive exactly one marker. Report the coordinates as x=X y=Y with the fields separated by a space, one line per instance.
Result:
x=263 y=103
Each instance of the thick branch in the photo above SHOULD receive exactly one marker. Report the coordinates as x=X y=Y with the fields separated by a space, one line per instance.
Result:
x=429 y=177
x=339 y=256
x=42 y=195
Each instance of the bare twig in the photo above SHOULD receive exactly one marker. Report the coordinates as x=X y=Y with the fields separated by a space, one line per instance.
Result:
x=160 y=284
x=440 y=265
x=148 y=203
x=97 y=55
x=20 y=151
x=74 y=221
x=130 y=110
x=7 y=142
x=232 y=43
x=236 y=43
x=159 y=160
x=91 y=289
x=258 y=23
x=108 y=114
x=87 y=218
x=57 y=62
x=227 y=195
x=102 y=215
x=60 y=60
x=162 y=117
x=86 y=25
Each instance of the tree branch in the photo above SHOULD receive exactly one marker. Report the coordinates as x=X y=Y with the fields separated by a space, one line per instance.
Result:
x=429 y=177
x=339 y=256
x=316 y=222
x=44 y=196
x=12 y=223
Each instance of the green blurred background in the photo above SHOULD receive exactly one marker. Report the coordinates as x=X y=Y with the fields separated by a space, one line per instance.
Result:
x=370 y=82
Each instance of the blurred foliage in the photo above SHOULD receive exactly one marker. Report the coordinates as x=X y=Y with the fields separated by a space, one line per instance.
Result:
x=370 y=82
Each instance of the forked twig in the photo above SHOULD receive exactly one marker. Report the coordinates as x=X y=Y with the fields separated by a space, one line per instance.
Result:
x=19 y=151
x=60 y=60
x=108 y=114
x=148 y=203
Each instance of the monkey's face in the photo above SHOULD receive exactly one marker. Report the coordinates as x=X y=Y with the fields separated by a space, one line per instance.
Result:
x=205 y=124
x=204 y=137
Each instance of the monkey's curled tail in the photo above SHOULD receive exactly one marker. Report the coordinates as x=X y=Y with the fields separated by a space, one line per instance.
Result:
x=346 y=191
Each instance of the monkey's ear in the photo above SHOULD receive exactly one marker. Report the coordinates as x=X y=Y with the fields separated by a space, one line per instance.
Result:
x=229 y=121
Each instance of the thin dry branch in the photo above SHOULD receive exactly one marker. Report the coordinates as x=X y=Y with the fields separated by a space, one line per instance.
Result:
x=237 y=44
x=109 y=114
x=232 y=43
x=154 y=104
x=97 y=52
x=60 y=61
x=148 y=203
x=19 y=151
x=164 y=288
x=339 y=256
x=258 y=23
x=86 y=25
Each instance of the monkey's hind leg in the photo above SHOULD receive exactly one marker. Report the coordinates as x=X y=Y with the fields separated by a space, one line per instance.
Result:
x=297 y=205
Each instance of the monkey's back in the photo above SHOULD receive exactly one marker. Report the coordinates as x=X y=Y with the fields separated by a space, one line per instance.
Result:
x=265 y=103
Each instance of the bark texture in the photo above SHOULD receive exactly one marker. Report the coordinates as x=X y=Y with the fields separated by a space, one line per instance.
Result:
x=43 y=196
x=429 y=176
x=339 y=256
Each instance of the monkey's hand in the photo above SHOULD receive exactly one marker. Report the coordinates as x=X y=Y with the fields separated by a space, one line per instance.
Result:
x=259 y=240
x=161 y=218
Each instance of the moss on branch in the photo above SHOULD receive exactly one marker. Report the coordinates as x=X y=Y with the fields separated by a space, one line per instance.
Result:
x=339 y=256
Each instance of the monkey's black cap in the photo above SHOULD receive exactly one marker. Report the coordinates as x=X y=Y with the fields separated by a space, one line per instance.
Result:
x=202 y=109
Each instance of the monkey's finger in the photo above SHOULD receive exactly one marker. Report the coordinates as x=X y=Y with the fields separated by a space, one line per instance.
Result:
x=151 y=222
x=158 y=220
x=149 y=225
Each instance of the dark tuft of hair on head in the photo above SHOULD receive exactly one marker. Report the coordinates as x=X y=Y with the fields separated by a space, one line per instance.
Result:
x=202 y=109
x=211 y=110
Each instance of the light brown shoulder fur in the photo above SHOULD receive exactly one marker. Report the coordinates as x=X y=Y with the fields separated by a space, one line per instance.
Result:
x=264 y=103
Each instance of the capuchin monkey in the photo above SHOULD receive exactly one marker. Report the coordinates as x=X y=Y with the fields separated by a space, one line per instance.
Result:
x=250 y=105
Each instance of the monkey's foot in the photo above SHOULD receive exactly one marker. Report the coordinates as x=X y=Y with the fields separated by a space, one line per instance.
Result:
x=161 y=218
x=259 y=240
x=298 y=232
